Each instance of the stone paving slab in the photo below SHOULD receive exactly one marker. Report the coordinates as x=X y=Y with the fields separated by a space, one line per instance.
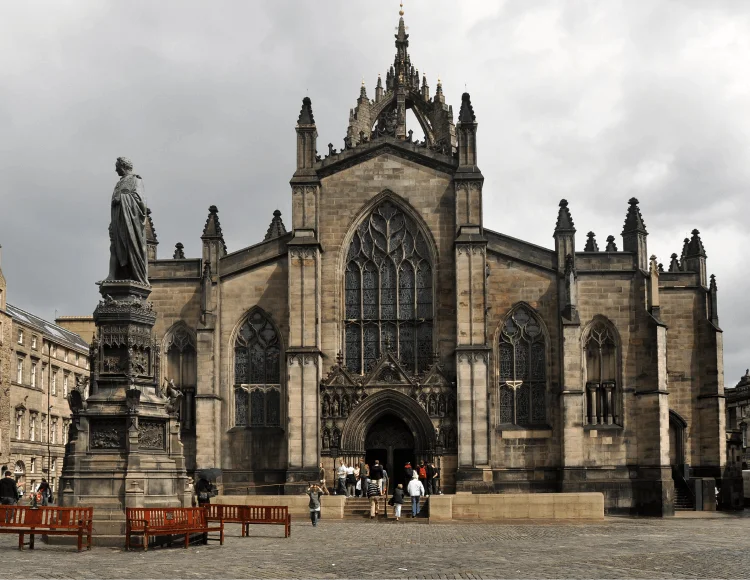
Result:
x=713 y=547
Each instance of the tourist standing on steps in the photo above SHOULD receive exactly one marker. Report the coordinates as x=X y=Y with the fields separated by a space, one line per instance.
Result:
x=408 y=472
x=397 y=501
x=323 y=479
x=430 y=471
x=415 y=490
x=351 y=481
x=314 y=492
x=422 y=471
x=364 y=476
x=8 y=489
x=373 y=492
x=376 y=474
x=384 y=487
x=341 y=489
x=436 y=480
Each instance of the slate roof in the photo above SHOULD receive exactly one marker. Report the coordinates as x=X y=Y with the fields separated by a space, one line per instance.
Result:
x=54 y=333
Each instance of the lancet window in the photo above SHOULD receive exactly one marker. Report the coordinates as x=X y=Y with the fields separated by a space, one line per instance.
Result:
x=388 y=292
x=601 y=375
x=182 y=368
x=523 y=370
x=257 y=384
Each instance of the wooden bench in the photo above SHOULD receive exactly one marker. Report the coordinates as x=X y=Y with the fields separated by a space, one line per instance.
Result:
x=152 y=522
x=50 y=521
x=251 y=514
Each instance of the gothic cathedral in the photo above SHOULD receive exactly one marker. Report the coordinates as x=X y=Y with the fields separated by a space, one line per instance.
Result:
x=391 y=324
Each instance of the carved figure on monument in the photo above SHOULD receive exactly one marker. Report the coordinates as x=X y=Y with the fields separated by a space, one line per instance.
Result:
x=76 y=401
x=345 y=406
x=174 y=396
x=127 y=234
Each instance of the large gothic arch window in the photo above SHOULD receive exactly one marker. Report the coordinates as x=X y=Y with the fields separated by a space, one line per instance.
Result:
x=257 y=373
x=600 y=347
x=388 y=292
x=522 y=352
x=182 y=368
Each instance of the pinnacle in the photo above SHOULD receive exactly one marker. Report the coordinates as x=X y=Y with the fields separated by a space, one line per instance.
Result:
x=306 y=114
x=150 y=230
x=674 y=263
x=591 y=245
x=212 y=229
x=564 y=219
x=179 y=253
x=633 y=219
x=611 y=246
x=276 y=229
x=466 y=114
x=695 y=246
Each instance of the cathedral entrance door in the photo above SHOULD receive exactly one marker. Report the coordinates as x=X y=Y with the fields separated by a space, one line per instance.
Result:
x=391 y=442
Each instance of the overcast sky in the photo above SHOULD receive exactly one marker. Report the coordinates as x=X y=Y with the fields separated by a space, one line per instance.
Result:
x=593 y=101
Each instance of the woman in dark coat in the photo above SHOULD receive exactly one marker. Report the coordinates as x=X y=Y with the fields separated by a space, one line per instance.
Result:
x=398 y=500
x=203 y=491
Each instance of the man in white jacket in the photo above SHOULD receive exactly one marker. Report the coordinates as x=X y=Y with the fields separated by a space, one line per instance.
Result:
x=415 y=489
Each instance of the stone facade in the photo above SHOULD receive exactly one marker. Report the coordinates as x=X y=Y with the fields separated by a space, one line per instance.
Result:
x=738 y=415
x=34 y=412
x=391 y=323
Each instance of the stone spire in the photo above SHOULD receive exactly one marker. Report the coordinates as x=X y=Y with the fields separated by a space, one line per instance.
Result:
x=467 y=134
x=591 y=245
x=713 y=306
x=276 y=229
x=306 y=114
x=151 y=241
x=379 y=92
x=565 y=237
x=213 y=238
x=674 y=264
x=179 y=253
x=611 y=246
x=634 y=235
x=695 y=257
x=564 y=219
x=307 y=135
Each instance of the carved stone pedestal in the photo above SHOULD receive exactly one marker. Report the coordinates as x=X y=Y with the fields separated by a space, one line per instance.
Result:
x=124 y=445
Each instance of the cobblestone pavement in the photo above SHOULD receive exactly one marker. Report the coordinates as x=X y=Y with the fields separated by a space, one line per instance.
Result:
x=687 y=547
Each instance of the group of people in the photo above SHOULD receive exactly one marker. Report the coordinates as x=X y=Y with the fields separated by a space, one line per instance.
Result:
x=10 y=493
x=368 y=481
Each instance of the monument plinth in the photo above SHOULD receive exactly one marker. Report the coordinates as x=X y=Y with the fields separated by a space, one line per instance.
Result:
x=124 y=446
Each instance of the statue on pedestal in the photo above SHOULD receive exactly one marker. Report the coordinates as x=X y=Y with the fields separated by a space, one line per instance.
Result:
x=128 y=259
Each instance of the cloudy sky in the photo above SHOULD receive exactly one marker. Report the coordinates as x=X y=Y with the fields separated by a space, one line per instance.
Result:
x=593 y=101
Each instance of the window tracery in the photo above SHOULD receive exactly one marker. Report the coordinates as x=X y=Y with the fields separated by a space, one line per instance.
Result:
x=601 y=375
x=388 y=292
x=257 y=371
x=182 y=367
x=522 y=370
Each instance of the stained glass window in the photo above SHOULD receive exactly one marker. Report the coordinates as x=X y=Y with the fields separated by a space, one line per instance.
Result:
x=601 y=374
x=388 y=292
x=257 y=372
x=522 y=370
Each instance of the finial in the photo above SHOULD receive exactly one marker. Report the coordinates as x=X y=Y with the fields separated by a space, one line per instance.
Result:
x=401 y=8
x=363 y=80
x=439 y=81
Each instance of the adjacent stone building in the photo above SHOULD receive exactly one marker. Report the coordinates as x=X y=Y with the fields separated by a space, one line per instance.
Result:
x=738 y=414
x=34 y=411
x=390 y=323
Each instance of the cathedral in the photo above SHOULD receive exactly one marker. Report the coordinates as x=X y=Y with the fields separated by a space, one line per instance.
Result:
x=390 y=323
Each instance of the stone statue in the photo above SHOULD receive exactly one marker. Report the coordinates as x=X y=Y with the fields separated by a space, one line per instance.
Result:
x=127 y=234
x=174 y=397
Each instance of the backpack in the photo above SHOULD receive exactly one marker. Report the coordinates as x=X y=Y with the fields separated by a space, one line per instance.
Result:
x=422 y=473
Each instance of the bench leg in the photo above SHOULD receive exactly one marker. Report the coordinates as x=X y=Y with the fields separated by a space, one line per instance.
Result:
x=205 y=538
x=145 y=541
x=20 y=541
x=80 y=539
x=127 y=541
x=31 y=541
x=221 y=542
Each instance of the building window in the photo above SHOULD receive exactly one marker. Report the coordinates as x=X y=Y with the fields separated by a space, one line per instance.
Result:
x=388 y=292
x=43 y=374
x=601 y=374
x=87 y=363
x=19 y=371
x=66 y=430
x=53 y=350
x=182 y=367
x=53 y=466
x=65 y=384
x=732 y=418
x=20 y=336
x=19 y=425
x=257 y=384
x=32 y=427
x=53 y=387
x=53 y=431
x=43 y=429
x=77 y=358
x=32 y=465
x=33 y=374
x=65 y=354
x=523 y=370
x=33 y=341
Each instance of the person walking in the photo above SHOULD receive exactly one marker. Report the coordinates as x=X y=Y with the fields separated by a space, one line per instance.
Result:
x=397 y=501
x=422 y=471
x=430 y=471
x=373 y=492
x=376 y=474
x=8 y=489
x=341 y=473
x=45 y=492
x=384 y=487
x=314 y=492
x=415 y=490
x=323 y=479
x=436 y=480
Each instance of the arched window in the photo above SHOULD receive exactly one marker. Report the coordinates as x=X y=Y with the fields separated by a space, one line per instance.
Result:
x=601 y=374
x=182 y=368
x=523 y=370
x=388 y=292
x=257 y=385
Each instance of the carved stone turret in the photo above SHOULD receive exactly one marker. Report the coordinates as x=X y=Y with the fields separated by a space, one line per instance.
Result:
x=634 y=235
x=214 y=247
x=151 y=241
x=307 y=136
x=276 y=229
x=695 y=257
x=591 y=245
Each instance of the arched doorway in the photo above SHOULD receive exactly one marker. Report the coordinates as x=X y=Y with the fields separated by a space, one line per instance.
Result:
x=677 y=426
x=390 y=441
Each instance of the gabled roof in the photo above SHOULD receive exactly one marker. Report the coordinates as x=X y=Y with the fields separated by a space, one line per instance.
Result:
x=53 y=332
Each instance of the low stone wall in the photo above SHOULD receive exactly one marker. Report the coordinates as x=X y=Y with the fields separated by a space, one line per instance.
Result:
x=331 y=506
x=517 y=506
